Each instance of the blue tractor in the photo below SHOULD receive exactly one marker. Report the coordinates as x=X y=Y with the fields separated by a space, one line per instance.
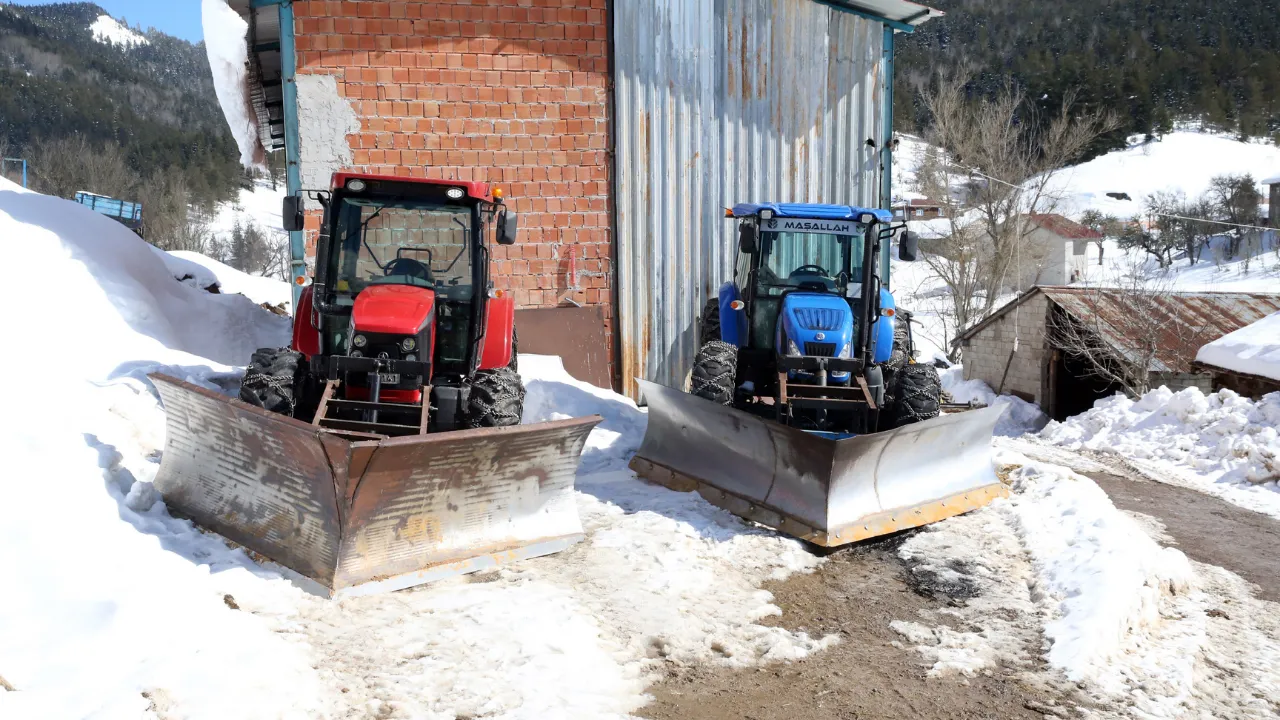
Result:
x=806 y=410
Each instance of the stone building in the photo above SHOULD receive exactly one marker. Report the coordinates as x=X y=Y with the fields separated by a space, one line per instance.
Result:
x=1015 y=352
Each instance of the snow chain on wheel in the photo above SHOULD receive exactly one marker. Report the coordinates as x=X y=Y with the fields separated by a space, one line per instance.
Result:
x=710 y=322
x=714 y=370
x=270 y=380
x=917 y=394
x=496 y=399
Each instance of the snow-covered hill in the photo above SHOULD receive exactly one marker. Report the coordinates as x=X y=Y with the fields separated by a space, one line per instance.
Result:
x=109 y=31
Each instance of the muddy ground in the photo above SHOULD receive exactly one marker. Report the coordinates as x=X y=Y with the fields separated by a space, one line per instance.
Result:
x=1207 y=529
x=856 y=594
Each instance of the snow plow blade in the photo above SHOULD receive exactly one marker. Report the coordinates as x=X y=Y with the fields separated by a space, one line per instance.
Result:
x=359 y=516
x=825 y=491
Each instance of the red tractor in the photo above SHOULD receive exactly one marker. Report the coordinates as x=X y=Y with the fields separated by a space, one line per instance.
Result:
x=383 y=448
x=401 y=331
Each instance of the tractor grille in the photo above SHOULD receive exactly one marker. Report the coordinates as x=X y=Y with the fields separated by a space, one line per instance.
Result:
x=818 y=318
x=817 y=349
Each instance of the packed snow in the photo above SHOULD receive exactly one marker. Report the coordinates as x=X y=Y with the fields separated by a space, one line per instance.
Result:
x=225 y=39
x=109 y=31
x=208 y=274
x=1221 y=443
x=1253 y=349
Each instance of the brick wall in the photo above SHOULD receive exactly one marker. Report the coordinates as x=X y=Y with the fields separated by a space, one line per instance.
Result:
x=988 y=352
x=512 y=92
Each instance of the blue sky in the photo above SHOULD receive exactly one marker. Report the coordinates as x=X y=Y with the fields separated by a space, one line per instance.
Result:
x=180 y=18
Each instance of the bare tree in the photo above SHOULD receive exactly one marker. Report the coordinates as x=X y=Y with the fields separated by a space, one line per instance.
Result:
x=1129 y=329
x=1235 y=199
x=66 y=165
x=1108 y=226
x=991 y=163
x=256 y=252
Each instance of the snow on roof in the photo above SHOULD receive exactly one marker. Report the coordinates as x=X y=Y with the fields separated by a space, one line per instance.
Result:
x=225 y=35
x=1065 y=227
x=109 y=31
x=1273 y=180
x=1253 y=349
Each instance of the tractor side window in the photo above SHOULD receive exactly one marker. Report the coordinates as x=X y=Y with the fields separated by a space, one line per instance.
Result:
x=819 y=262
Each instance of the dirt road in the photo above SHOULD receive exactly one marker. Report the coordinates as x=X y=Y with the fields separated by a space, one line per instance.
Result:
x=856 y=594
x=1207 y=529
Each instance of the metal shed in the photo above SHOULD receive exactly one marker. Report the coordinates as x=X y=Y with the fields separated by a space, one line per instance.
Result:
x=725 y=101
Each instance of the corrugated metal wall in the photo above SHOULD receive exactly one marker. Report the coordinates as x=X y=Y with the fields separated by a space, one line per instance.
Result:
x=719 y=102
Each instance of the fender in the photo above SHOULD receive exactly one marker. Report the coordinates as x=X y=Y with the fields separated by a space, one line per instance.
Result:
x=500 y=319
x=882 y=328
x=733 y=323
x=306 y=338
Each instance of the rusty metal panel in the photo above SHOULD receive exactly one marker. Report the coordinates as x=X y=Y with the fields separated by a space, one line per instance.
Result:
x=1189 y=319
x=369 y=515
x=430 y=500
x=260 y=479
x=719 y=102
x=576 y=334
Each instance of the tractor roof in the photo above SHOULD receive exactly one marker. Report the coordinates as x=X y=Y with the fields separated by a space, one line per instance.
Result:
x=477 y=190
x=810 y=210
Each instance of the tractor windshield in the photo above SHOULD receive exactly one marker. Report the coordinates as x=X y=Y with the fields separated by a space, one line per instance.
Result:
x=404 y=243
x=819 y=262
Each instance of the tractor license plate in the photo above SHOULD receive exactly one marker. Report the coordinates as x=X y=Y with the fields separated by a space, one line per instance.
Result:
x=389 y=378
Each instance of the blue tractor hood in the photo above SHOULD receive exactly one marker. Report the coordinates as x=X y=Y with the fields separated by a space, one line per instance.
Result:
x=819 y=324
x=816 y=211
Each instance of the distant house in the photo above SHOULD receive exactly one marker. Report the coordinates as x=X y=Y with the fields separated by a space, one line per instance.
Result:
x=1054 y=253
x=1247 y=360
x=1014 y=352
x=1273 y=206
x=918 y=209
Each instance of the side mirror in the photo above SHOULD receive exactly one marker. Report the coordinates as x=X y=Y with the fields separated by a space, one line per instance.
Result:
x=508 y=223
x=908 y=246
x=748 y=239
x=291 y=214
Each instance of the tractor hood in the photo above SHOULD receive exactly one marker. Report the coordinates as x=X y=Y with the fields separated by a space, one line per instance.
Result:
x=819 y=324
x=393 y=309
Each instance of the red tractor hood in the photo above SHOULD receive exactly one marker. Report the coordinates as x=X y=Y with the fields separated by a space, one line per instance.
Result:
x=394 y=309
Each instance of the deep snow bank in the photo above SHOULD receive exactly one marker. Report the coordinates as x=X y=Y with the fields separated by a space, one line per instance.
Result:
x=1019 y=416
x=1221 y=443
x=203 y=272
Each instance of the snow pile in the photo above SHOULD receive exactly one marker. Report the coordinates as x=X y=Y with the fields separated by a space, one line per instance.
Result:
x=203 y=272
x=1221 y=443
x=1253 y=349
x=108 y=31
x=225 y=41
x=1019 y=417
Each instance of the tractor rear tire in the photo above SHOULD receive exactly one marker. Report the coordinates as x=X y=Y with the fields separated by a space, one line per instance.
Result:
x=714 y=370
x=496 y=399
x=271 y=380
x=710 y=322
x=917 y=394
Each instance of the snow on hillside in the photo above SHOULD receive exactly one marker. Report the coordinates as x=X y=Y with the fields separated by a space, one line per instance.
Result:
x=1253 y=349
x=1183 y=160
x=1222 y=444
x=203 y=272
x=109 y=31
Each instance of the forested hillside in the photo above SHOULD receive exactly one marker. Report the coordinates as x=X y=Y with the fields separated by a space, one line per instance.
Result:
x=153 y=99
x=1153 y=62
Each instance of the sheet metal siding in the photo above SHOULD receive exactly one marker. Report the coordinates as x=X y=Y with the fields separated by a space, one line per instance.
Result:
x=719 y=102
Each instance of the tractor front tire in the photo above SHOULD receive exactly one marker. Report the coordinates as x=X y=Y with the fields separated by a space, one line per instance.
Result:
x=270 y=382
x=917 y=395
x=496 y=399
x=714 y=370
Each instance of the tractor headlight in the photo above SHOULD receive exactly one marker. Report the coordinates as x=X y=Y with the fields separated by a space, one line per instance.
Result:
x=410 y=357
x=356 y=353
x=408 y=344
x=844 y=351
x=792 y=348
x=359 y=340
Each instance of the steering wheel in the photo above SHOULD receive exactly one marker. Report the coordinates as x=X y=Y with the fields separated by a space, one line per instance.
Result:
x=409 y=267
x=811 y=270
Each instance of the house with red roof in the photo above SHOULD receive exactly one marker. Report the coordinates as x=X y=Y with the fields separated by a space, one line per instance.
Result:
x=1056 y=251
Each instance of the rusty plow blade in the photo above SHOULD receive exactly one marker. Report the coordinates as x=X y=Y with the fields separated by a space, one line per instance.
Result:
x=825 y=491
x=359 y=516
